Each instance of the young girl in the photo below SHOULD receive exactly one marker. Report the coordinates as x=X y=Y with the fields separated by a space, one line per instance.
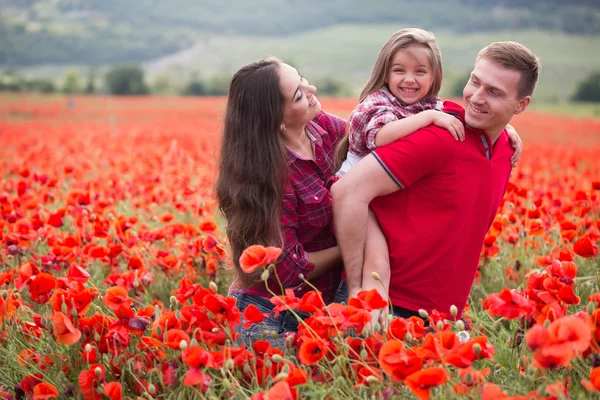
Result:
x=400 y=98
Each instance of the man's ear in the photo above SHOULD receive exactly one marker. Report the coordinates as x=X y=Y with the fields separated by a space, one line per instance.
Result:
x=523 y=103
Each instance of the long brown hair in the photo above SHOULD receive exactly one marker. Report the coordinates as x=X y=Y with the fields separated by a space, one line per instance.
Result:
x=402 y=39
x=253 y=164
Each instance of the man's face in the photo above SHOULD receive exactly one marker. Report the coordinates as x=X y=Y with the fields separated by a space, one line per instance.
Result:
x=491 y=96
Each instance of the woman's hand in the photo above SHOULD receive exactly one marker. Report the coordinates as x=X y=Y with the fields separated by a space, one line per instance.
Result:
x=450 y=123
x=516 y=143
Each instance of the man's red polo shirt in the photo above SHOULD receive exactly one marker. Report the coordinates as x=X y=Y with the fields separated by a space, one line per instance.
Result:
x=435 y=225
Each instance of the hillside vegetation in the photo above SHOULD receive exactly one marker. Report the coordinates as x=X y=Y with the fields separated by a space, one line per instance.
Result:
x=114 y=31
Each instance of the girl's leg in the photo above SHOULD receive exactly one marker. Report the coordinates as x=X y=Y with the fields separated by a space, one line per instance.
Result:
x=376 y=260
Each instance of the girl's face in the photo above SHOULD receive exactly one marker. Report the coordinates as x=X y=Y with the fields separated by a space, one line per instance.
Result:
x=410 y=76
x=300 y=105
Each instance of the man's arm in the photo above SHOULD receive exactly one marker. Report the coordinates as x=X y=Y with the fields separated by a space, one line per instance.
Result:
x=351 y=197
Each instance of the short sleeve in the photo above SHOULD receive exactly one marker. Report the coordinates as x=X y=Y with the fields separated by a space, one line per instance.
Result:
x=415 y=156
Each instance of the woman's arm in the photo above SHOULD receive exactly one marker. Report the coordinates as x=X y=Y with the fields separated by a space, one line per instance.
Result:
x=395 y=130
x=324 y=260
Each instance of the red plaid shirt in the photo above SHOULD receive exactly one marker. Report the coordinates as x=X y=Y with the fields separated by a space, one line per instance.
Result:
x=376 y=110
x=307 y=214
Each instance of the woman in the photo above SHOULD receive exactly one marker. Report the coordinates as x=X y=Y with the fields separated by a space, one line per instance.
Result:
x=277 y=157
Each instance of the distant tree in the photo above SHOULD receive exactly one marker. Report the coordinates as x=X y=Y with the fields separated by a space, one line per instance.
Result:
x=40 y=85
x=72 y=82
x=459 y=84
x=332 y=87
x=195 y=88
x=126 y=80
x=218 y=85
x=90 y=86
x=589 y=88
x=10 y=81
x=163 y=85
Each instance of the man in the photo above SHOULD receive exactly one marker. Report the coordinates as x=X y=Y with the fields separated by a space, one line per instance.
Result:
x=435 y=198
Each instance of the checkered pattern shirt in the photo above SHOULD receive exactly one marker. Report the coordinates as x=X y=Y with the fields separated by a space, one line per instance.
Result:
x=307 y=214
x=376 y=110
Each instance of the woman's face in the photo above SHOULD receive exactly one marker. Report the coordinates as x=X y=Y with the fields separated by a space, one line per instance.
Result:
x=300 y=105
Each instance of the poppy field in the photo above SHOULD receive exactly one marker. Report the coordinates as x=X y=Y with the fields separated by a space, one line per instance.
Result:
x=114 y=272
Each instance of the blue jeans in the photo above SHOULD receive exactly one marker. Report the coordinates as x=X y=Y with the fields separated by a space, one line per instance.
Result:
x=285 y=322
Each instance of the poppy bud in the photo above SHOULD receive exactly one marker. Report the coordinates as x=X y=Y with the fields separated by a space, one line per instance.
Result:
x=100 y=389
x=277 y=358
x=273 y=335
x=151 y=389
x=469 y=379
x=265 y=275
x=408 y=337
x=439 y=326
x=364 y=354
x=183 y=345
x=424 y=314
x=210 y=315
x=497 y=325
x=173 y=301
x=193 y=342
x=97 y=372
x=97 y=337
x=546 y=323
x=285 y=369
x=301 y=276
x=63 y=307
x=375 y=276
x=158 y=331
x=453 y=310
x=280 y=376
x=265 y=333
x=372 y=379
x=213 y=286
x=215 y=330
x=87 y=348
x=460 y=325
x=477 y=348
x=4 y=294
x=247 y=369
x=592 y=306
x=229 y=364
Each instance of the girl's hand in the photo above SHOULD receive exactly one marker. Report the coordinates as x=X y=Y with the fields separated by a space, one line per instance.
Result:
x=450 y=123
x=516 y=143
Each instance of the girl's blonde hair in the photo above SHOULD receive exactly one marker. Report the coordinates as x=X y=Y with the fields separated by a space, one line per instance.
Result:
x=403 y=39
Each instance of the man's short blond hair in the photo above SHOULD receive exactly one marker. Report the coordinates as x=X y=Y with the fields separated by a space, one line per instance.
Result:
x=515 y=56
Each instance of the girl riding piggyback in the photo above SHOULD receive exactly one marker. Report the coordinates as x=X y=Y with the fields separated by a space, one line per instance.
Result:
x=400 y=97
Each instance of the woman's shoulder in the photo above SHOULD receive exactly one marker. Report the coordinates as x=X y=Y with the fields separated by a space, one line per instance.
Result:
x=329 y=123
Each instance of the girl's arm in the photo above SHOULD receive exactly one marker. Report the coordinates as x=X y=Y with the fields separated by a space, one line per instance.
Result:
x=324 y=260
x=395 y=130
x=517 y=144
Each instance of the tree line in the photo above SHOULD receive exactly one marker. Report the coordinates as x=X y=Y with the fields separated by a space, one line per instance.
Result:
x=130 y=80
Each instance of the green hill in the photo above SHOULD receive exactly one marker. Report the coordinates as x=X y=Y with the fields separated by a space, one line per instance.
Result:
x=117 y=31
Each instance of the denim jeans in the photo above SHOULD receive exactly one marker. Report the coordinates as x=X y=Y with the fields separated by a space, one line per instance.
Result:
x=285 y=322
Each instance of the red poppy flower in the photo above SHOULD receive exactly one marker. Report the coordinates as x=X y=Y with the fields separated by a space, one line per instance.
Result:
x=369 y=300
x=258 y=256
x=421 y=382
x=584 y=247
x=311 y=351
x=89 y=381
x=116 y=297
x=41 y=287
x=44 y=391
x=64 y=330
x=593 y=385
x=279 y=391
x=398 y=362
x=252 y=315
x=113 y=390
x=174 y=338
x=509 y=304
